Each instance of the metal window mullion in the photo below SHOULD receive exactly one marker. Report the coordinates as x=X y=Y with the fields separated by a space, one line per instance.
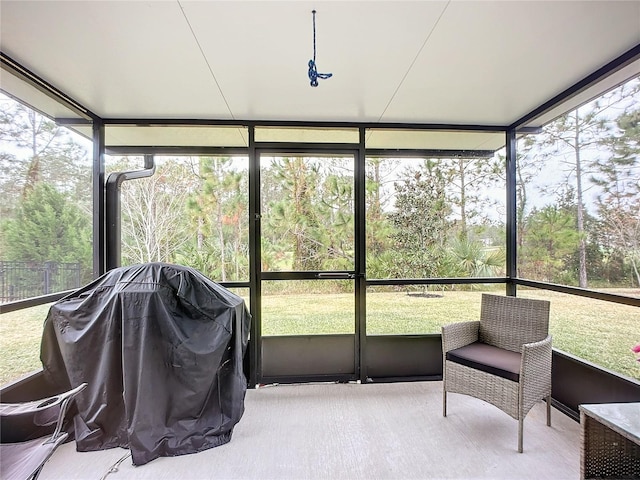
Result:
x=255 y=292
x=511 y=230
x=360 y=258
x=98 y=193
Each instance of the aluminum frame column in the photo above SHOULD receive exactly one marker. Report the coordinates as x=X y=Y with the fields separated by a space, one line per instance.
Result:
x=255 y=267
x=98 y=193
x=360 y=259
x=511 y=230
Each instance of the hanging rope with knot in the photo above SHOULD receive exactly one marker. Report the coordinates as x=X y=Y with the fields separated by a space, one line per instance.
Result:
x=313 y=70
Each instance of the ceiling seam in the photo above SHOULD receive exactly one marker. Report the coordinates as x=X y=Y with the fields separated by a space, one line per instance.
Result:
x=184 y=14
x=224 y=98
x=415 y=59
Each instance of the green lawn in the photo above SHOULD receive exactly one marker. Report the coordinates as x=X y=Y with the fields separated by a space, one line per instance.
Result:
x=600 y=332
x=20 y=334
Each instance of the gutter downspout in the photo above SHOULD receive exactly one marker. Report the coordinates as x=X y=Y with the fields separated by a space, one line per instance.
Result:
x=113 y=208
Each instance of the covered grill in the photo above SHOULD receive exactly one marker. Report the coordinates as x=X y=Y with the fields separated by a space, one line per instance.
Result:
x=161 y=347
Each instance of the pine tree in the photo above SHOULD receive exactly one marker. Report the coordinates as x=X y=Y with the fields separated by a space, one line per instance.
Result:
x=618 y=176
x=48 y=227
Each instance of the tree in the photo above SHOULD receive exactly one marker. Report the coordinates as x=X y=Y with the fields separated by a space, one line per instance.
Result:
x=571 y=139
x=48 y=227
x=34 y=150
x=153 y=212
x=529 y=164
x=470 y=258
x=219 y=209
x=551 y=242
x=294 y=218
x=574 y=132
x=335 y=212
x=380 y=173
x=468 y=181
x=420 y=222
x=592 y=251
x=618 y=176
x=37 y=150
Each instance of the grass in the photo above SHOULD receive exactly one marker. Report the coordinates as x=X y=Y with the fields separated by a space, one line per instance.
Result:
x=600 y=332
x=20 y=334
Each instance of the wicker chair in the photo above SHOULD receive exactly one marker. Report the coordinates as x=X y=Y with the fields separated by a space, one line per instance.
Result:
x=503 y=359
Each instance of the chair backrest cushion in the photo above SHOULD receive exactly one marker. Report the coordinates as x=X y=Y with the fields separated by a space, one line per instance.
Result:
x=509 y=322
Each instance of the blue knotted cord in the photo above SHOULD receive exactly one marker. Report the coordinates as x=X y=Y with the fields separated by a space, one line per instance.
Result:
x=313 y=71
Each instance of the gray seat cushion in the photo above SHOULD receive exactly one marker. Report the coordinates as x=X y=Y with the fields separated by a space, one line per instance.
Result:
x=490 y=359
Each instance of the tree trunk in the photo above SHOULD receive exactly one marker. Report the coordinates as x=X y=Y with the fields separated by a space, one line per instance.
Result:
x=463 y=200
x=582 y=247
x=223 y=259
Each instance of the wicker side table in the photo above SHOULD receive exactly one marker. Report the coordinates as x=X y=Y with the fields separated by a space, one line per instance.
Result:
x=610 y=441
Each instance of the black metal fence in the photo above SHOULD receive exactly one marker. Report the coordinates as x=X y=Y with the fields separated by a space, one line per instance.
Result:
x=20 y=280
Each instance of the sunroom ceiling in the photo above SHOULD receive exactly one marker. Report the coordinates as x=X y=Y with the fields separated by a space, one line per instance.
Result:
x=446 y=62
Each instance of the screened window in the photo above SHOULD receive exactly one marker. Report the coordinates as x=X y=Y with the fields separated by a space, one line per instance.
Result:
x=192 y=211
x=605 y=338
x=578 y=196
x=46 y=208
x=435 y=217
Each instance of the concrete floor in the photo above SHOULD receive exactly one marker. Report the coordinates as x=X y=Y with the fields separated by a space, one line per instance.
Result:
x=353 y=431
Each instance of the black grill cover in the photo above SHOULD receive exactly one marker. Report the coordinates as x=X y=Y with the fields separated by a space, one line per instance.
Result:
x=161 y=347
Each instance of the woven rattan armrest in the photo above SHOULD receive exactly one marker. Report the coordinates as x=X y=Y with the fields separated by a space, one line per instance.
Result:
x=535 y=372
x=536 y=356
x=456 y=335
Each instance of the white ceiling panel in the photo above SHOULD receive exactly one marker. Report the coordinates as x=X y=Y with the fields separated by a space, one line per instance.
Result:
x=120 y=59
x=20 y=89
x=448 y=61
x=260 y=51
x=493 y=62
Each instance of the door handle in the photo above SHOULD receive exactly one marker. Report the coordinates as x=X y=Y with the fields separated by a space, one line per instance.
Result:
x=335 y=276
